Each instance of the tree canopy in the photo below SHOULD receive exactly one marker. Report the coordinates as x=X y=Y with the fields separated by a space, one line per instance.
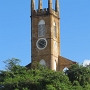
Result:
x=17 y=77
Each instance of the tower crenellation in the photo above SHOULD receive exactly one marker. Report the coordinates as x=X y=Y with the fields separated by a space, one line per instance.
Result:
x=45 y=11
x=40 y=12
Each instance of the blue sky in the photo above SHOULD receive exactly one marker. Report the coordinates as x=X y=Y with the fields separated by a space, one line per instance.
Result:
x=15 y=30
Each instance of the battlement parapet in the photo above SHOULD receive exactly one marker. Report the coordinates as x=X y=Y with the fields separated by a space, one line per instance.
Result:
x=45 y=11
x=41 y=11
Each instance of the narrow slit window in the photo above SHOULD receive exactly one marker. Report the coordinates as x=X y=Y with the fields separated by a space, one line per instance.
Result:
x=55 y=65
x=55 y=30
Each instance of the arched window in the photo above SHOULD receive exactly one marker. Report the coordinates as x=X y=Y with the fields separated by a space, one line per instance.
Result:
x=41 y=28
x=42 y=62
x=55 y=30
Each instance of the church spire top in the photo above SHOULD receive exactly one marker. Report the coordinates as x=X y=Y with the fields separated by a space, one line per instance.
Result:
x=50 y=5
x=57 y=6
x=32 y=5
x=40 y=4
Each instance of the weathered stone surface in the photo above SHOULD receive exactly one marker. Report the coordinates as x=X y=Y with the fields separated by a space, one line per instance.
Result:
x=51 y=53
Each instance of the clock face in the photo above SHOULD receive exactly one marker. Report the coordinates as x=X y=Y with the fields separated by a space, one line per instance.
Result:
x=41 y=43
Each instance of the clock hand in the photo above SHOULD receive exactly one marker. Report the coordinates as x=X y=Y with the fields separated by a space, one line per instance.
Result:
x=42 y=43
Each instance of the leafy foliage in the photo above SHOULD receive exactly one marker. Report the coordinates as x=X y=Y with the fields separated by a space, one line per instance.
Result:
x=41 y=78
x=10 y=63
x=80 y=74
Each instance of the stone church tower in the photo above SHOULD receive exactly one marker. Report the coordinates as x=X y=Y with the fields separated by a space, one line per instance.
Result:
x=45 y=36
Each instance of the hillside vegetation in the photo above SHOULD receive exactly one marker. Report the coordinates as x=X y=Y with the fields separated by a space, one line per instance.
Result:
x=17 y=77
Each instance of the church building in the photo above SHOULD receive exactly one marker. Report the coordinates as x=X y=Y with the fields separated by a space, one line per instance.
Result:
x=45 y=36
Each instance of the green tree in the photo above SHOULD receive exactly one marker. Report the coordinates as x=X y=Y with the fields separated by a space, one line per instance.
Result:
x=10 y=63
x=41 y=78
x=38 y=78
x=79 y=73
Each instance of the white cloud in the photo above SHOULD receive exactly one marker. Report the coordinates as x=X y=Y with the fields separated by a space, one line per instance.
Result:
x=86 y=62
